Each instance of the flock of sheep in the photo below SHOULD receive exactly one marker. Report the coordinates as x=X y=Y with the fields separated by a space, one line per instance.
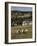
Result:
x=23 y=30
x=27 y=23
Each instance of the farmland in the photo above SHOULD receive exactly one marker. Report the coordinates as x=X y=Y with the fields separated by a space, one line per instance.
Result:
x=21 y=25
x=20 y=35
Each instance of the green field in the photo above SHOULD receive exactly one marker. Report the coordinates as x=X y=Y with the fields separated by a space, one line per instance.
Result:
x=23 y=35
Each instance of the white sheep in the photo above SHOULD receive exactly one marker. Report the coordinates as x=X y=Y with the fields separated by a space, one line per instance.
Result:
x=26 y=30
x=24 y=23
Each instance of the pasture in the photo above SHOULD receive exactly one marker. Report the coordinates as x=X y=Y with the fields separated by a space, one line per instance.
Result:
x=21 y=35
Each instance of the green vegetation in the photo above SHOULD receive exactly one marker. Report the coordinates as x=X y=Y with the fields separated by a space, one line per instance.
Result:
x=17 y=19
x=22 y=35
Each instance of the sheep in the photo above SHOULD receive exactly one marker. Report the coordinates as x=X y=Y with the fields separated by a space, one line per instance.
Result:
x=26 y=30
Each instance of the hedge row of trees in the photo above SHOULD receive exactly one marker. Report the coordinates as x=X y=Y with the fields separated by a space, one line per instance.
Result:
x=16 y=19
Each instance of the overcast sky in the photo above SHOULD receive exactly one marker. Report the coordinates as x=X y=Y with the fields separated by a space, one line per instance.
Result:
x=13 y=8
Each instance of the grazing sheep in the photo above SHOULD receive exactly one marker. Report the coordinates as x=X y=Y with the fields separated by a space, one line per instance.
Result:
x=17 y=31
x=26 y=30
x=21 y=30
x=24 y=23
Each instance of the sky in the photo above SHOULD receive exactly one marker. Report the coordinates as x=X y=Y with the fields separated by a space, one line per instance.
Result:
x=25 y=9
